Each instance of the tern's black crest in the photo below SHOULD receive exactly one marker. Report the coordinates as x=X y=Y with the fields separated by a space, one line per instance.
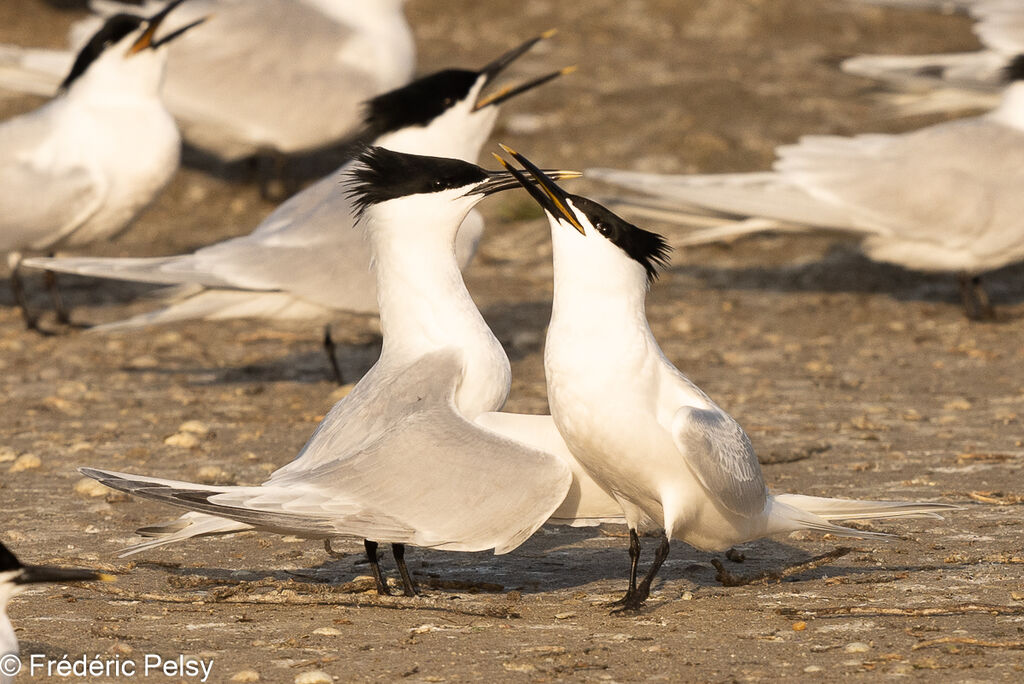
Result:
x=646 y=248
x=381 y=174
x=1014 y=71
x=113 y=30
x=418 y=103
x=8 y=561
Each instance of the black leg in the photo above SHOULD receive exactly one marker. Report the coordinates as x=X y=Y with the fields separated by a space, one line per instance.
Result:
x=975 y=299
x=634 y=562
x=63 y=317
x=644 y=590
x=275 y=185
x=408 y=585
x=371 y=555
x=332 y=357
x=18 y=290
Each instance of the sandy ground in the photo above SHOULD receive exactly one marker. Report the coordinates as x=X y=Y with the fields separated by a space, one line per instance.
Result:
x=853 y=379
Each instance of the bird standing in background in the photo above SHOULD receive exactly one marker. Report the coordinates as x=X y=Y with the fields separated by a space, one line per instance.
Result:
x=81 y=167
x=264 y=76
x=305 y=259
x=669 y=455
x=16 y=578
x=945 y=198
x=951 y=82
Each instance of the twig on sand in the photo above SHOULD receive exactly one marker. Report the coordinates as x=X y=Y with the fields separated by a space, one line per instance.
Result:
x=962 y=609
x=728 y=579
x=969 y=641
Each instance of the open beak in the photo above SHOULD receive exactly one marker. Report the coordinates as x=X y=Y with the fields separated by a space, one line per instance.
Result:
x=506 y=180
x=509 y=92
x=37 y=574
x=492 y=70
x=146 y=39
x=548 y=195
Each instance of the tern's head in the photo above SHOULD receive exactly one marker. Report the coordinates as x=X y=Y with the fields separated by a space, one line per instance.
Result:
x=124 y=56
x=410 y=195
x=16 y=577
x=445 y=113
x=589 y=236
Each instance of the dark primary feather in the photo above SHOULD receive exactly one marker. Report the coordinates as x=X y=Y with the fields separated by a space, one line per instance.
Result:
x=418 y=103
x=381 y=174
x=8 y=561
x=648 y=249
x=113 y=30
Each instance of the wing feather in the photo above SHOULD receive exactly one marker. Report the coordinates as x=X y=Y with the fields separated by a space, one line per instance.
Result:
x=720 y=454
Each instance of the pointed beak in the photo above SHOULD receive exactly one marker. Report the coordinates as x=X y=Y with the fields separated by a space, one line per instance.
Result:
x=506 y=180
x=548 y=195
x=508 y=92
x=146 y=39
x=492 y=70
x=38 y=574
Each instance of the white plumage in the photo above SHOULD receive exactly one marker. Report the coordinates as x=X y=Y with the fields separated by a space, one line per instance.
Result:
x=642 y=430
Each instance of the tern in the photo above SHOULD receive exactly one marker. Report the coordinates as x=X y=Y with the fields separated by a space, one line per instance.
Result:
x=81 y=167
x=15 y=578
x=945 y=198
x=305 y=260
x=401 y=458
x=954 y=81
x=643 y=431
x=281 y=76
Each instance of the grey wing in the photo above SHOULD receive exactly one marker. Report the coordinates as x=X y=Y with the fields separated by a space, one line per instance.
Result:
x=720 y=454
x=458 y=486
x=950 y=182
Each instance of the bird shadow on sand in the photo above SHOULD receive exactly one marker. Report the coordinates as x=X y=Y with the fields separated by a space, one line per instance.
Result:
x=843 y=269
x=555 y=558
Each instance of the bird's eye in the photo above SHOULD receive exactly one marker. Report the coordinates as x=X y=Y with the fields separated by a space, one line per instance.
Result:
x=448 y=102
x=603 y=228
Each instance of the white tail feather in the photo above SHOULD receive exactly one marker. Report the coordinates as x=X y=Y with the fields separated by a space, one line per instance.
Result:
x=851 y=509
x=220 y=305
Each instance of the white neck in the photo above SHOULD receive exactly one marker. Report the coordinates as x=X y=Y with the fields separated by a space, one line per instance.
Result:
x=597 y=290
x=1010 y=111
x=424 y=305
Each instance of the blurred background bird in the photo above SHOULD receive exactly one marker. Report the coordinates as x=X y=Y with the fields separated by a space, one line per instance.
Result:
x=956 y=81
x=306 y=260
x=264 y=77
x=945 y=198
x=81 y=167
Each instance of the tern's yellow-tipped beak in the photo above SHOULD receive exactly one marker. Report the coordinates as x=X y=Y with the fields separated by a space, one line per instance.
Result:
x=146 y=39
x=511 y=91
x=550 y=197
